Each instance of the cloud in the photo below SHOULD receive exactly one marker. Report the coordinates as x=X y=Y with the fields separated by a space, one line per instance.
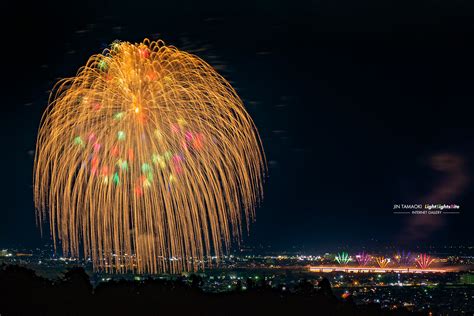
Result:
x=453 y=183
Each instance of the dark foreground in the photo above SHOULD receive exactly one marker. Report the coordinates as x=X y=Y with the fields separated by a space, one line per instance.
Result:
x=22 y=292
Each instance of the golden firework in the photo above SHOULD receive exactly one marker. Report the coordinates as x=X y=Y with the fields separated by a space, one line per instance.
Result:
x=146 y=161
x=382 y=261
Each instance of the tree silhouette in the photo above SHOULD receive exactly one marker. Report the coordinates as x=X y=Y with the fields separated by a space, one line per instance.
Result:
x=22 y=292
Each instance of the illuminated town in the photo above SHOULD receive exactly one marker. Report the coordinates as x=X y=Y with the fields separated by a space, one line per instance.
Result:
x=440 y=282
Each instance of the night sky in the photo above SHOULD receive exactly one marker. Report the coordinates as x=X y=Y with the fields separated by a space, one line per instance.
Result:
x=360 y=105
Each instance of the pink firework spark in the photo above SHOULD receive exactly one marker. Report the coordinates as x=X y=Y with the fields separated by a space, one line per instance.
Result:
x=424 y=261
x=363 y=258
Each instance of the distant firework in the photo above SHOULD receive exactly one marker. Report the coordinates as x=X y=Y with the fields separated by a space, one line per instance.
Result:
x=382 y=261
x=404 y=258
x=146 y=160
x=424 y=261
x=342 y=258
x=363 y=258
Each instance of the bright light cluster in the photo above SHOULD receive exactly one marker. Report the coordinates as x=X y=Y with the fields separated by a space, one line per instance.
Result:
x=400 y=259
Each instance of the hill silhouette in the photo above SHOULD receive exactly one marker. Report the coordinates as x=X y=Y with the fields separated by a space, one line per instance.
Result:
x=22 y=292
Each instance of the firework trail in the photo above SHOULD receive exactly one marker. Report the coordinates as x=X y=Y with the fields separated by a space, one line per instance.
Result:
x=404 y=258
x=342 y=258
x=424 y=261
x=146 y=161
x=363 y=258
x=382 y=261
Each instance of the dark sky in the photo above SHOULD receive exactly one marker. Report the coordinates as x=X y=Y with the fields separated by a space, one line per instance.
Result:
x=360 y=105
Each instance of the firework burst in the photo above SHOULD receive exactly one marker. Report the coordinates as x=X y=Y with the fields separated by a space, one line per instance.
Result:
x=146 y=161
x=363 y=258
x=382 y=261
x=424 y=261
x=342 y=258
x=404 y=258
